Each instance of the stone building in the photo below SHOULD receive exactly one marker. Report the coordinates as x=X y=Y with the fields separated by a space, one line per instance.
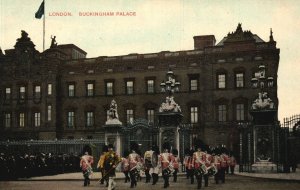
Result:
x=59 y=93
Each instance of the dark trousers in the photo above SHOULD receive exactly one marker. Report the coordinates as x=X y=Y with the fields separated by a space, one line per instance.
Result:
x=175 y=175
x=187 y=173
x=86 y=179
x=192 y=173
x=217 y=176
x=220 y=175
x=148 y=176
x=154 y=178
x=165 y=176
x=133 y=178
x=199 y=180
x=127 y=178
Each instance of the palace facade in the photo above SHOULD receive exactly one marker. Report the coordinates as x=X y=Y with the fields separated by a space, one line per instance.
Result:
x=59 y=93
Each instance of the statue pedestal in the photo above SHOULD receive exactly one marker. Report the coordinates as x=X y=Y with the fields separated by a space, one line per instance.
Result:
x=113 y=136
x=264 y=166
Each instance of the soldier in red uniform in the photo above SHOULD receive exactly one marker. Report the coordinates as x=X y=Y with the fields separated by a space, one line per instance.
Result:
x=199 y=158
x=224 y=165
x=191 y=166
x=217 y=163
x=155 y=166
x=125 y=166
x=166 y=164
x=86 y=166
x=176 y=162
x=134 y=164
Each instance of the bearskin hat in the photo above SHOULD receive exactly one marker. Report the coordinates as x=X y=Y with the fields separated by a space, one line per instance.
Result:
x=110 y=146
x=175 y=152
x=155 y=149
x=166 y=145
x=126 y=153
x=104 y=148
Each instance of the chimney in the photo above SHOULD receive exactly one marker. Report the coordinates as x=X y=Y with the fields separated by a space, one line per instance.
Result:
x=200 y=42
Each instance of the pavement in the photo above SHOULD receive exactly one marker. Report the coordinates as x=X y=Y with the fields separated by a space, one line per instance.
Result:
x=96 y=176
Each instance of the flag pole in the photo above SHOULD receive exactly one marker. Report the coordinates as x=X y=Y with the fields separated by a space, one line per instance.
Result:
x=44 y=21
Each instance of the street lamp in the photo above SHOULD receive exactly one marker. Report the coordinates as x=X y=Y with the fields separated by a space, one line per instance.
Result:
x=262 y=82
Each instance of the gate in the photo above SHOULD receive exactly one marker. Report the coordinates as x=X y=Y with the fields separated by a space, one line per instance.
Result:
x=141 y=132
x=291 y=143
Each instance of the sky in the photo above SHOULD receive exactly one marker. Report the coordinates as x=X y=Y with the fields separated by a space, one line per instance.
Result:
x=160 y=25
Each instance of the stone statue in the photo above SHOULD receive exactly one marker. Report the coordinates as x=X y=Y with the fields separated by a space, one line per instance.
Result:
x=112 y=116
x=263 y=102
x=170 y=105
x=53 y=42
x=24 y=37
x=113 y=110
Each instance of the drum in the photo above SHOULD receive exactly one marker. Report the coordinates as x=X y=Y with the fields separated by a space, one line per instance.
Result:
x=151 y=159
x=88 y=171
x=212 y=170
x=202 y=170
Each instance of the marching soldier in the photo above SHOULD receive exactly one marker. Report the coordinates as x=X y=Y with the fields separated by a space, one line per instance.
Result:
x=86 y=166
x=176 y=162
x=111 y=160
x=217 y=163
x=134 y=164
x=125 y=166
x=191 y=166
x=100 y=165
x=148 y=164
x=224 y=165
x=166 y=160
x=199 y=166
x=208 y=164
x=155 y=167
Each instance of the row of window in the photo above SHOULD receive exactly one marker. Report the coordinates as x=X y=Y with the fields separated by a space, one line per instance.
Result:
x=109 y=86
x=21 y=118
x=90 y=116
x=22 y=92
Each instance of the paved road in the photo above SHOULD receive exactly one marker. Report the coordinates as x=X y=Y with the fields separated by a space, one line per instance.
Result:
x=232 y=183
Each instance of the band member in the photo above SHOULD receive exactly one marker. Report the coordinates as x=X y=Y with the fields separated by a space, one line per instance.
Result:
x=209 y=165
x=125 y=166
x=176 y=161
x=100 y=166
x=148 y=164
x=199 y=165
x=224 y=159
x=217 y=163
x=134 y=164
x=111 y=160
x=166 y=159
x=155 y=165
x=86 y=166
x=232 y=163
